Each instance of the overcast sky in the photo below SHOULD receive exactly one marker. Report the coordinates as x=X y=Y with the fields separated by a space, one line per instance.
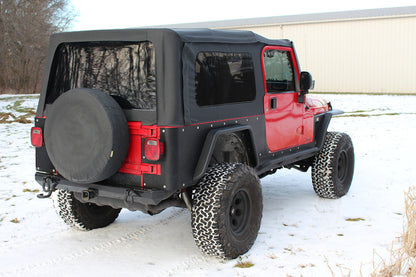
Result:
x=104 y=14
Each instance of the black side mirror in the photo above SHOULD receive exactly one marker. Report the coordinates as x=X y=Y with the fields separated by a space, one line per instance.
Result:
x=306 y=82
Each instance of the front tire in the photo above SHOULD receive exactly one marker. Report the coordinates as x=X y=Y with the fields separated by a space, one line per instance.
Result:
x=333 y=167
x=82 y=216
x=227 y=210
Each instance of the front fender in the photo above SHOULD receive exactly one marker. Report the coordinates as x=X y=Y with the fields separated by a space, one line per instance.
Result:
x=321 y=125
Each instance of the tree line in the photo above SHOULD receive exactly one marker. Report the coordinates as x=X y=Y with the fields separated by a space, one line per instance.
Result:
x=25 y=27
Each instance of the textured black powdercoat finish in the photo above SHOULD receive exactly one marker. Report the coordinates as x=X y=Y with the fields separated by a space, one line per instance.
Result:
x=86 y=135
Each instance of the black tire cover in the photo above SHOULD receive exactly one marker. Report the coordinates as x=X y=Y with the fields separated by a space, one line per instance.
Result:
x=86 y=135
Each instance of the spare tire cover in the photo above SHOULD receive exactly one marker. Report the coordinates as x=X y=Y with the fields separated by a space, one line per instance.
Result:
x=86 y=135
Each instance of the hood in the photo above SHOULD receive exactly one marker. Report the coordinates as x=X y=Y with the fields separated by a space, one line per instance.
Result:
x=317 y=105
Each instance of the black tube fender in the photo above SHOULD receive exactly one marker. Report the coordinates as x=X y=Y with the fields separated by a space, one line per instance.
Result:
x=209 y=145
x=321 y=125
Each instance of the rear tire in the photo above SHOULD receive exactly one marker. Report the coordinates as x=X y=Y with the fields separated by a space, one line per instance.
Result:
x=227 y=210
x=333 y=167
x=82 y=216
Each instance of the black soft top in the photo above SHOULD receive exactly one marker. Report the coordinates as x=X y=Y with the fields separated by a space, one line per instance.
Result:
x=175 y=58
x=158 y=34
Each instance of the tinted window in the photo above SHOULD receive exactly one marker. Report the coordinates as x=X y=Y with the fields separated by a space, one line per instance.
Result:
x=125 y=70
x=224 y=78
x=278 y=70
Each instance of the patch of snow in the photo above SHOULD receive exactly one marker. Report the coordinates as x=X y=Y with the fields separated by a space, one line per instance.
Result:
x=301 y=234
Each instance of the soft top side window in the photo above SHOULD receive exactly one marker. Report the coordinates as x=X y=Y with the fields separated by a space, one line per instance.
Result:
x=222 y=78
x=278 y=71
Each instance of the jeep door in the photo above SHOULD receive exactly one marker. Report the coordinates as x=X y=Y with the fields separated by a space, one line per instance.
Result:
x=284 y=115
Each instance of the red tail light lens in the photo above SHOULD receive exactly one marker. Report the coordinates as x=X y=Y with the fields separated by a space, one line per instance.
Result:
x=152 y=149
x=36 y=136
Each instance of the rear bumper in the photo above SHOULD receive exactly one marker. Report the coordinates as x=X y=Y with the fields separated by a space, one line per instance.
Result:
x=96 y=193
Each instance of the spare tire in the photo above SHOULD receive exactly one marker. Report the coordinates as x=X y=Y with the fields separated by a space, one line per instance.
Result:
x=86 y=135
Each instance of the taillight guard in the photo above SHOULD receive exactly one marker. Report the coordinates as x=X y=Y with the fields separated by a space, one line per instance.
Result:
x=145 y=145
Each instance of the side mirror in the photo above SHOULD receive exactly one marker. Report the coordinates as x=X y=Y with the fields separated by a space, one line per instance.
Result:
x=306 y=82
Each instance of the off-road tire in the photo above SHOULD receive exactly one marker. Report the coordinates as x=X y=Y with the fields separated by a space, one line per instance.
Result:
x=227 y=210
x=82 y=216
x=333 y=166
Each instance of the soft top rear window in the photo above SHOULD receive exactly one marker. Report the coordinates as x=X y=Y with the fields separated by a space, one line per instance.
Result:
x=125 y=70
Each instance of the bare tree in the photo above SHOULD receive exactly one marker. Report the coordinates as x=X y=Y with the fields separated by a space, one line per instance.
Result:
x=25 y=26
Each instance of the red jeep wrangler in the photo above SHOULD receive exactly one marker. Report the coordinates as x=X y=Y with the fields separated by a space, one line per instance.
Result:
x=147 y=119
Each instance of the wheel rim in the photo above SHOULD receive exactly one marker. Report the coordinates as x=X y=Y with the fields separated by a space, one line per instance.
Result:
x=240 y=212
x=342 y=171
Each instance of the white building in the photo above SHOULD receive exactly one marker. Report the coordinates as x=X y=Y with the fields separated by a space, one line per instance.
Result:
x=369 y=51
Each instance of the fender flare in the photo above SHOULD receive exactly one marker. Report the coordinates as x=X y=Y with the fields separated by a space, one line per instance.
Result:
x=209 y=145
x=321 y=125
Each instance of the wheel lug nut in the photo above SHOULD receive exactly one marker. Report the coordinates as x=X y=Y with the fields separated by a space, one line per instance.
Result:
x=232 y=211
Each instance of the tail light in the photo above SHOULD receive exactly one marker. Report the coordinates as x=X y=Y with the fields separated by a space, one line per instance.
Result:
x=36 y=136
x=153 y=148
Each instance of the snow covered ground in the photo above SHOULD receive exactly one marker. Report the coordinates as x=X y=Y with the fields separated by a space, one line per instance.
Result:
x=300 y=234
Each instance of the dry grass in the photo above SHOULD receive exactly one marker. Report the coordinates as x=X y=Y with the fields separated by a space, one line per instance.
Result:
x=16 y=106
x=4 y=117
x=402 y=260
x=15 y=220
x=355 y=219
x=10 y=118
x=246 y=264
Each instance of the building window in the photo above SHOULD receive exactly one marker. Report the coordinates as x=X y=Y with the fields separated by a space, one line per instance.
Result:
x=223 y=78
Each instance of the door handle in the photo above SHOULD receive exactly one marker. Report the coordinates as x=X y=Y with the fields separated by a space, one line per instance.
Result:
x=273 y=103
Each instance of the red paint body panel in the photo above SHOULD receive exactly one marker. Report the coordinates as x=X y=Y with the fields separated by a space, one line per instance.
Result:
x=133 y=163
x=285 y=124
x=317 y=105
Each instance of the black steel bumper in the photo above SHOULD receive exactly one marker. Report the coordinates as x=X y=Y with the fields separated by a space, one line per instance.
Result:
x=100 y=194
